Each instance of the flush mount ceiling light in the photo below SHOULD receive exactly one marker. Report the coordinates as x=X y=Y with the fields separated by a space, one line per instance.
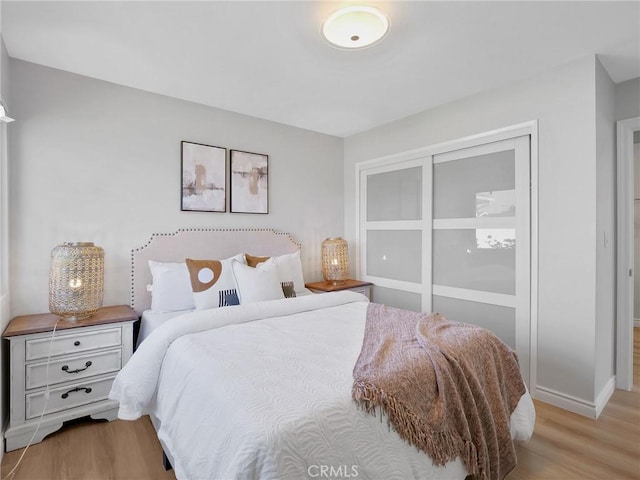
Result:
x=355 y=27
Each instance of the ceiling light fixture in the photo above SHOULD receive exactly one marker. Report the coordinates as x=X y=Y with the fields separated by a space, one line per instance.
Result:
x=355 y=27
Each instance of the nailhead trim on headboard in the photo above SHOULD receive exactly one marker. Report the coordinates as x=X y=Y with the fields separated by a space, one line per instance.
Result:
x=156 y=235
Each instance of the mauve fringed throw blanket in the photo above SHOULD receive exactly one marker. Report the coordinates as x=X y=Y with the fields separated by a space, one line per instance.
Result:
x=448 y=388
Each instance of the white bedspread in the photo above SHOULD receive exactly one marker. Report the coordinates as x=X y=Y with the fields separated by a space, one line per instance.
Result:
x=263 y=391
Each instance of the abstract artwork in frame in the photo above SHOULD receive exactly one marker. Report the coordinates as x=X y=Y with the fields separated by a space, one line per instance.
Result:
x=249 y=182
x=204 y=174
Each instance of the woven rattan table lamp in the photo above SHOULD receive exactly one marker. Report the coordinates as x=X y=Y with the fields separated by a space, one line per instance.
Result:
x=76 y=280
x=335 y=260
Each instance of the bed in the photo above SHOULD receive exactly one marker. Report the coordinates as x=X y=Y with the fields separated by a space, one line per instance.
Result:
x=263 y=390
x=173 y=248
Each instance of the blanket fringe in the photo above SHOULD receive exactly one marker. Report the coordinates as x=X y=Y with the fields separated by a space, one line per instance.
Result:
x=441 y=446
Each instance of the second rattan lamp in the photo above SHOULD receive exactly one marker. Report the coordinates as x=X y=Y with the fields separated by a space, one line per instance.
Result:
x=76 y=280
x=335 y=260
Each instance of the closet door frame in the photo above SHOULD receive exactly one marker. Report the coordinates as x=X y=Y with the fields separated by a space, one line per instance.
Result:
x=424 y=157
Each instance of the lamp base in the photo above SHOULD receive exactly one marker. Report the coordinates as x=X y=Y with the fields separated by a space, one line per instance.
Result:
x=73 y=315
x=74 y=318
x=336 y=282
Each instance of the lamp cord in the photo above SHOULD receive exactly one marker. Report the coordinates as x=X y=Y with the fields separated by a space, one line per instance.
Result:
x=44 y=408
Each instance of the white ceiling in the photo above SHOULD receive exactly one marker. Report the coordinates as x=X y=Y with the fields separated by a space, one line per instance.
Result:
x=267 y=59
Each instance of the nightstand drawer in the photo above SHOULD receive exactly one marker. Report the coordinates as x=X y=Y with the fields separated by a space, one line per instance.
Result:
x=72 y=368
x=363 y=290
x=71 y=343
x=69 y=396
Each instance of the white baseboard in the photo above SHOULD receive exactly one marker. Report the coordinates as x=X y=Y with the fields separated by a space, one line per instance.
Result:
x=636 y=322
x=605 y=394
x=575 y=404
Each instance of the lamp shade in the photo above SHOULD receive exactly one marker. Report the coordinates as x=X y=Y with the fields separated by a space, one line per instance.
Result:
x=335 y=260
x=76 y=280
x=355 y=27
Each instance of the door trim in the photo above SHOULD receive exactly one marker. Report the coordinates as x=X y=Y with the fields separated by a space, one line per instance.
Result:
x=625 y=253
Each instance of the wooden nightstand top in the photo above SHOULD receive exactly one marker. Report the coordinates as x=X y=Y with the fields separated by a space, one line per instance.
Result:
x=330 y=287
x=44 y=322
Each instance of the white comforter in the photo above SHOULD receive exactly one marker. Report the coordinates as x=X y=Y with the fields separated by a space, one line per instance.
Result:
x=263 y=391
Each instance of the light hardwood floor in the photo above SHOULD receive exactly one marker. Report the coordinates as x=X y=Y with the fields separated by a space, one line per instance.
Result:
x=564 y=446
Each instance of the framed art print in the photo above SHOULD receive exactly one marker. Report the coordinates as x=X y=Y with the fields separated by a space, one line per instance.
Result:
x=249 y=182
x=204 y=173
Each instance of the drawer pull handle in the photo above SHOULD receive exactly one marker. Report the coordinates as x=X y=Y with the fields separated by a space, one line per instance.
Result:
x=77 y=343
x=77 y=389
x=86 y=365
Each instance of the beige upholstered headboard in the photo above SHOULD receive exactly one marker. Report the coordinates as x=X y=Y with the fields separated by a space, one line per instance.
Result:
x=200 y=243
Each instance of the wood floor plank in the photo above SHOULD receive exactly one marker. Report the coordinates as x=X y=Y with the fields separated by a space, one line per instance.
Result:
x=93 y=451
x=564 y=446
x=569 y=446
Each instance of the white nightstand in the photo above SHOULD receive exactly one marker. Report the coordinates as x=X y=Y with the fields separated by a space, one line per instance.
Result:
x=85 y=357
x=349 y=284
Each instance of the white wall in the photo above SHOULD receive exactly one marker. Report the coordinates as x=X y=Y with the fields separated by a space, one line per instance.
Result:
x=4 y=234
x=4 y=182
x=563 y=101
x=94 y=161
x=605 y=239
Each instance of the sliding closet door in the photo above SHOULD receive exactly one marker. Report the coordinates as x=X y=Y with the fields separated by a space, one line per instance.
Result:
x=450 y=233
x=393 y=229
x=481 y=240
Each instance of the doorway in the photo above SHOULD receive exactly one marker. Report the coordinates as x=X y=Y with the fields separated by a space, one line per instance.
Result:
x=625 y=277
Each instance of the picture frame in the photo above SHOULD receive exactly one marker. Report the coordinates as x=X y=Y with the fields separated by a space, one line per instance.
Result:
x=249 y=182
x=203 y=178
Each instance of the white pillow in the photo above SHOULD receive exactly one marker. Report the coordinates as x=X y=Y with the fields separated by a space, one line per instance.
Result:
x=171 y=287
x=212 y=282
x=257 y=284
x=290 y=270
